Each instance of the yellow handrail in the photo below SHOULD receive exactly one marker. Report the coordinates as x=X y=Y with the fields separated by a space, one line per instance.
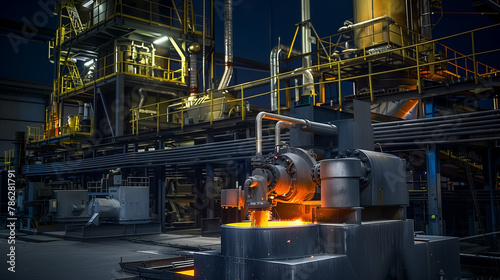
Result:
x=413 y=52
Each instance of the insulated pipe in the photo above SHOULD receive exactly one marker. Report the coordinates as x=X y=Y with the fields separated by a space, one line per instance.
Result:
x=86 y=110
x=143 y=97
x=228 y=44
x=308 y=126
x=274 y=70
x=365 y=23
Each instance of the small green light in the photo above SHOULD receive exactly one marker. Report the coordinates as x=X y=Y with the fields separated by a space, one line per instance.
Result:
x=433 y=217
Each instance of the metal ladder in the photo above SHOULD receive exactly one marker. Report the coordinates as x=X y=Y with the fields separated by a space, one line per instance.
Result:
x=74 y=73
x=479 y=219
x=74 y=18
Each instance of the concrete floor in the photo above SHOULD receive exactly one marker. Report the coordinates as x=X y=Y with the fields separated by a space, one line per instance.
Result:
x=42 y=257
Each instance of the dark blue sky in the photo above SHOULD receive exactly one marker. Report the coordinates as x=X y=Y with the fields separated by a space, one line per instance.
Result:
x=257 y=25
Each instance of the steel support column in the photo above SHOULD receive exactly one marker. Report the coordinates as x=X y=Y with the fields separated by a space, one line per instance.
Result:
x=434 y=212
x=434 y=191
x=119 y=105
x=491 y=179
x=209 y=190
x=161 y=197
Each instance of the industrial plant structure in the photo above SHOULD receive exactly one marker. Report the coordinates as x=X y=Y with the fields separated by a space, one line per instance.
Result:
x=376 y=141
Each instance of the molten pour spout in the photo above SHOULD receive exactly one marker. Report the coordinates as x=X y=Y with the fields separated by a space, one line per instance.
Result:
x=259 y=218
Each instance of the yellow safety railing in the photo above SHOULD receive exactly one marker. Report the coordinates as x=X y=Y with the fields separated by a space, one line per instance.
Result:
x=8 y=156
x=165 y=69
x=214 y=105
x=151 y=12
x=76 y=126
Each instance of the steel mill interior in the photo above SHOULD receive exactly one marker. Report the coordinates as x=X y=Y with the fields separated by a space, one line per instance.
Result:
x=238 y=139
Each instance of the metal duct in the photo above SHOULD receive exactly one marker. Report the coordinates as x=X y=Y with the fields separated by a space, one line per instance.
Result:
x=143 y=96
x=228 y=44
x=274 y=63
x=425 y=18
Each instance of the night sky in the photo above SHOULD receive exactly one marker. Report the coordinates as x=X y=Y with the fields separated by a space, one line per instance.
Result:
x=257 y=25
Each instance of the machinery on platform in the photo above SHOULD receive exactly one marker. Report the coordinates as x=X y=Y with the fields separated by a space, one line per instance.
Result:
x=356 y=230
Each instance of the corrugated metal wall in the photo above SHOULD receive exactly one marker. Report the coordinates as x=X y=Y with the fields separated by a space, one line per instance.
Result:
x=21 y=104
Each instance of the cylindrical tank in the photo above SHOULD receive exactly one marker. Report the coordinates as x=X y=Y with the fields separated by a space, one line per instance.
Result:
x=376 y=34
x=340 y=182
x=107 y=208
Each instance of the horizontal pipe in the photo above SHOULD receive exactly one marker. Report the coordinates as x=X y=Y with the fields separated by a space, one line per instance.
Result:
x=423 y=143
x=440 y=136
x=456 y=116
x=308 y=126
x=442 y=124
x=235 y=150
x=365 y=23
x=441 y=131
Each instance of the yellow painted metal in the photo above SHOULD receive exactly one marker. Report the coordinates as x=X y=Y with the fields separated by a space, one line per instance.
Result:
x=8 y=156
x=340 y=86
x=242 y=104
x=74 y=18
x=278 y=94
x=379 y=33
x=183 y=59
x=211 y=107
x=371 y=86
x=293 y=41
x=451 y=60
x=419 y=85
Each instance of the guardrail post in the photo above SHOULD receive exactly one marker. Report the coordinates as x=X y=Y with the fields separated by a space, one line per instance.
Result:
x=211 y=107
x=340 y=87
x=418 y=70
x=157 y=117
x=242 y=105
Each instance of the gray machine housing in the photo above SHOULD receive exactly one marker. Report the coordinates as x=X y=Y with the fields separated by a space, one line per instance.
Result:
x=125 y=204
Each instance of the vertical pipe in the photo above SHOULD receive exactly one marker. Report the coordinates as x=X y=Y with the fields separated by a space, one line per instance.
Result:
x=274 y=69
x=228 y=44
x=306 y=47
x=203 y=45
x=306 y=32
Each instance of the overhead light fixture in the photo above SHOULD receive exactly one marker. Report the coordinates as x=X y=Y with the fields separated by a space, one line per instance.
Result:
x=88 y=63
x=88 y=3
x=160 y=40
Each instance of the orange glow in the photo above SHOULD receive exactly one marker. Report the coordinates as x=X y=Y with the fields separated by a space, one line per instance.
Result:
x=186 y=272
x=273 y=224
x=259 y=218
